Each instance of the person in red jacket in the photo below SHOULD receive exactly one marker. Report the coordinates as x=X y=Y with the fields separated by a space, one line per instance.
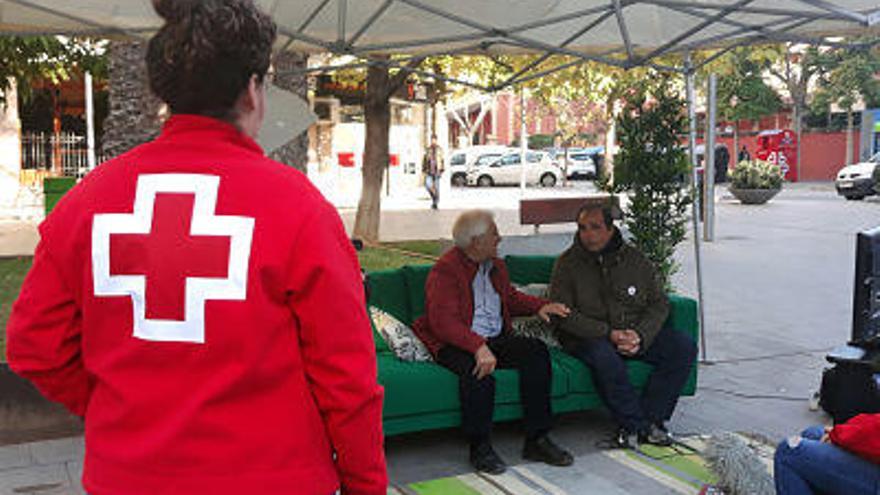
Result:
x=469 y=302
x=200 y=305
x=843 y=460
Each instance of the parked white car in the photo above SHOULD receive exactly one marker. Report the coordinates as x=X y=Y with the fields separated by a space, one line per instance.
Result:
x=507 y=170
x=580 y=165
x=857 y=180
x=462 y=160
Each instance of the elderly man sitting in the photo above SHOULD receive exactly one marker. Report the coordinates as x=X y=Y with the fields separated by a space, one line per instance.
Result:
x=469 y=302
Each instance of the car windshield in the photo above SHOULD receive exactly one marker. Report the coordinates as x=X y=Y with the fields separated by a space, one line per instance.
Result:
x=875 y=158
x=458 y=159
x=486 y=159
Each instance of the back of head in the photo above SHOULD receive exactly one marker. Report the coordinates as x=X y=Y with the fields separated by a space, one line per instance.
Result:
x=204 y=56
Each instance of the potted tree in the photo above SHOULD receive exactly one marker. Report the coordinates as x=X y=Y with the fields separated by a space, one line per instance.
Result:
x=755 y=182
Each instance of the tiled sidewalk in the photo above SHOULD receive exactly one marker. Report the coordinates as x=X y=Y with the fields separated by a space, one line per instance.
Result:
x=50 y=467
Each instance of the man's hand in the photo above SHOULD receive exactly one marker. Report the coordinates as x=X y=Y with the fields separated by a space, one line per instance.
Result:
x=553 y=308
x=485 y=362
x=628 y=342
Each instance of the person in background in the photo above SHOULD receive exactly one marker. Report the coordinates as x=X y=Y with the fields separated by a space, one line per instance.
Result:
x=843 y=460
x=469 y=302
x=743 y=155
x=200 y=305
x=432 y=167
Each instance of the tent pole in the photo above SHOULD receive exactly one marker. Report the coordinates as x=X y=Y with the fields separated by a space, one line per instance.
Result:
x=709 y=163
x=90 y=122
x=695 y=214
x=523 y=142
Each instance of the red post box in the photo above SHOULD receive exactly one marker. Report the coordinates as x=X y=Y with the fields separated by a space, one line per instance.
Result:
x=779 y=146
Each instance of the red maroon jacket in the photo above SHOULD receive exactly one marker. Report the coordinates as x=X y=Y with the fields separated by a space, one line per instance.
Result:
x=449 y=302
x=201 y=306
x=860 y=435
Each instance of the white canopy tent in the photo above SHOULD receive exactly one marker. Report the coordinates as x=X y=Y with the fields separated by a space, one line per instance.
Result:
x=622 y=33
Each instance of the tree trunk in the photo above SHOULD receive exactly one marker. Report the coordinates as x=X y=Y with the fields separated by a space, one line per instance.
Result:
x=849 y=137
x=798 y=129
x=377 y=119
x=134 y=116
x=296 y=151
x=735 y=153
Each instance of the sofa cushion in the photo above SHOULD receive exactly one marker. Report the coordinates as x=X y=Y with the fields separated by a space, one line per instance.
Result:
x=388 y=292
x=531 y=269
x=399 y=337
x=378 y=341
x=416 y=387
x=416 y=276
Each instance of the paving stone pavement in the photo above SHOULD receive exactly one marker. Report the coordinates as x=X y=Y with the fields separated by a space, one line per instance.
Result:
x=49 y=467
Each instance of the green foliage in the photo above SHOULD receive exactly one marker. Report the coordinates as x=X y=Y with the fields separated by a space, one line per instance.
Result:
x=849 y=75
x=650 y=168
x=742 y=92
x=12 y=273
x=29 y=58
x=756 y=174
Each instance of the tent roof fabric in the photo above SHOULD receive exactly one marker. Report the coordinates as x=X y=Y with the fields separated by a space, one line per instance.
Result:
x=624 y=33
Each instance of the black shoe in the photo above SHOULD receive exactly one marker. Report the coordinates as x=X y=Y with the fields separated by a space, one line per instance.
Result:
x=656 y=435
x=484 y=459
x=542 y=449
x=626 y=439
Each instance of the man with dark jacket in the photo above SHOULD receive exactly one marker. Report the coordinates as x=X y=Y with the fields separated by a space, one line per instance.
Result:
x=618 y=309
x=469 y=302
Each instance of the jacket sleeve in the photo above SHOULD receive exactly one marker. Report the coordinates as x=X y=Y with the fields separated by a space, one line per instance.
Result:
x=657 y=306
x=327 y=299
x=860 y=435
x=562 y=289
x=445 y=316
x=522 y=304
x=44 y=335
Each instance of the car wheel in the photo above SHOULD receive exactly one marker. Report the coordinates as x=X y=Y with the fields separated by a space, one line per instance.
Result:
x=855 y=197
x=485 y=181
x=459 y=180
x=548 y=180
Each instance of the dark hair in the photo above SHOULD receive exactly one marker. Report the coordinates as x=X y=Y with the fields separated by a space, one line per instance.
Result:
x=608 y=212
x=202 y=59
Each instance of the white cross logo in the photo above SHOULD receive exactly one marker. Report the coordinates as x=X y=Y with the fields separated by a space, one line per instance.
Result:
x=166 y=247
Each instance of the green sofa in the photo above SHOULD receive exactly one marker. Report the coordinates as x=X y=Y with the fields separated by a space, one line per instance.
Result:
x=424 y=396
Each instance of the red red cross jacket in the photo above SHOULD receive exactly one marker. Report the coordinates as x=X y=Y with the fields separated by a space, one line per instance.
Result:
x=201 y=306
x=860 y=435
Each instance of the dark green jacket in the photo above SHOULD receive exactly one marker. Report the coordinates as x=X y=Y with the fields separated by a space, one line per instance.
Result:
x=617 y=288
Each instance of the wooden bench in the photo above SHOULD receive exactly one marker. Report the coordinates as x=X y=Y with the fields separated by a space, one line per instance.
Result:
x=544 y=211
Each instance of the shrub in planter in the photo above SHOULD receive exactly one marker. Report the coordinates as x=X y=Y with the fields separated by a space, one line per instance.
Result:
x=756 y=174
x=755 y=182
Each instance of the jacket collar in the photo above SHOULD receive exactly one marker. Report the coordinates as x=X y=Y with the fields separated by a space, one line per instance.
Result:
x=197 y=127
x=470 y=265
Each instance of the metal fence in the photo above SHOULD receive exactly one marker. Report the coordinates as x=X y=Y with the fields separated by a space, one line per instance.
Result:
x=64 y=154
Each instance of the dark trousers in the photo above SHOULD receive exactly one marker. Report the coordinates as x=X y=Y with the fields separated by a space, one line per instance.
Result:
x=672 y=354
x=528 y=356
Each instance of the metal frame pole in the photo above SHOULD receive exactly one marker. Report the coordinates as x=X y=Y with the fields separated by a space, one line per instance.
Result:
x=709 y=167
x=523 y=141
x=695 y=220
x=90 y=122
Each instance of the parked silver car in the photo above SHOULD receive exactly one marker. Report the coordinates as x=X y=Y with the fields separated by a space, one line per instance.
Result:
x=507 y=170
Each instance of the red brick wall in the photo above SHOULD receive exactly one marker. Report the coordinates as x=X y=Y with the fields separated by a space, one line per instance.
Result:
x=823 y=153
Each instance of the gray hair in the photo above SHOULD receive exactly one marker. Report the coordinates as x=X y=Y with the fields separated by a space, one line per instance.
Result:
x=470 y=224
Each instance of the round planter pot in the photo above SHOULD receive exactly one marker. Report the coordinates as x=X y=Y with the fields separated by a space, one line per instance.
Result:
x=753 y=196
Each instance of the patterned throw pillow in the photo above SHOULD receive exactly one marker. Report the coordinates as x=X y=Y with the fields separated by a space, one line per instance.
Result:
x=537 y=290
x=399 y=337
x=533 y=326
